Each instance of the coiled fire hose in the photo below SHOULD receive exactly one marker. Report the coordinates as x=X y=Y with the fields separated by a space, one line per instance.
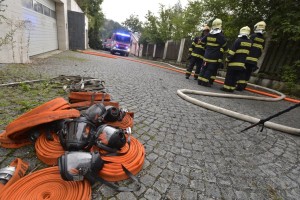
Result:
x=48 y=151
x=20 y=169
x=131 y=156
x=47 y=184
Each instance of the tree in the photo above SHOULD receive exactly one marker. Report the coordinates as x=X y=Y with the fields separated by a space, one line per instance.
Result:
x=282 y=17
x=133 y=23
x=150 y=32
x=108 y=27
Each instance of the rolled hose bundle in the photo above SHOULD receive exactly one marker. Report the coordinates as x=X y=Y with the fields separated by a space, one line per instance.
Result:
x=133 y=159
x=88 y=96
x=126 y=122
x=47 y=184
x=16 y=133
x=48 y=151
x=21 y=167
x=89 y=103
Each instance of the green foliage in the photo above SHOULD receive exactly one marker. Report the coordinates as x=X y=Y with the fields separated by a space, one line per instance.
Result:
x=291 y=74
x=282 y=17
x=109 y=27
x=133 y=23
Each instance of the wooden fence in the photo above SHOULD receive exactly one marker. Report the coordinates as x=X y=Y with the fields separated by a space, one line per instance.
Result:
x=279 y=54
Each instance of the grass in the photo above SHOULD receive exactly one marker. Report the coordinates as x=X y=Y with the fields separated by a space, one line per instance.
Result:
x=71 y=58
x=18 y=99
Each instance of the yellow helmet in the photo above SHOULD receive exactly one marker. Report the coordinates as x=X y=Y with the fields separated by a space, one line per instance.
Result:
x=260 y=26
x=245 y=31
x=217 y=23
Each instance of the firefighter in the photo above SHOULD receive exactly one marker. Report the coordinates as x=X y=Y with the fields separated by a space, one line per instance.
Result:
x=196 y=52
x=236 y=59
x=215 y=43
x=258 y=44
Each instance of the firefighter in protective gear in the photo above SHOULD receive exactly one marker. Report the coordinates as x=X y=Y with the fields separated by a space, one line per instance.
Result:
x=215 y=44
x=196 y=52
x=258 y=43
x=236 y=59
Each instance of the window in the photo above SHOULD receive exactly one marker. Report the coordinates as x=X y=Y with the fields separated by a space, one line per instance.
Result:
x=53 y=14
x=38 y=7
x=46 y=11
x=27 y=3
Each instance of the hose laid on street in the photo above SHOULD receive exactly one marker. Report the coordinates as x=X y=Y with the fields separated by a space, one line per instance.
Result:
x=47 y=184
x=99 y=54
x=182 y=93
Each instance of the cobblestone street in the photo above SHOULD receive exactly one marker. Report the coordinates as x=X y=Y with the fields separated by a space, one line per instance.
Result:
x=191 y=152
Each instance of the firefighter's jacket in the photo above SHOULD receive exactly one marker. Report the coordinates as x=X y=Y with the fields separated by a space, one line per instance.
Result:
x=215 y=46
x=258 y=44
x=197 y=49
x=237 y=54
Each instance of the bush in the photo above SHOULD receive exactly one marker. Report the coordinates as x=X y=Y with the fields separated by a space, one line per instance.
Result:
x=291 y=75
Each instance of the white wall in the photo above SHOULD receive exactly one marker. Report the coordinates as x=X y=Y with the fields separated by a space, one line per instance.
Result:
x=73 y=6
x=16 y=49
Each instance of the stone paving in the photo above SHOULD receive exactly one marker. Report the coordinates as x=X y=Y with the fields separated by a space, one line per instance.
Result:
x=191 y=152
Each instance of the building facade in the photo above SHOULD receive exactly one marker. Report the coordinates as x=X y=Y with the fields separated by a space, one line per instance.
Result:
x=32 y=27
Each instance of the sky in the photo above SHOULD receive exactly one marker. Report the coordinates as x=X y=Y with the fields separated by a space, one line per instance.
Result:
x=119 y=10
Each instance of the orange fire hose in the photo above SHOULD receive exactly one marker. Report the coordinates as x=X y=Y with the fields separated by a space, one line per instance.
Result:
x=16 y=135
x=21 y=168
x=12 y=144
x=98 y=54
x=89 y=103
x=220 y=82
x=265 y=93
x=87 y=96
x=55 y=104
x=17 y=128
x=125 y=123
x=48 y=151
x=133 y=159
x=47 y=184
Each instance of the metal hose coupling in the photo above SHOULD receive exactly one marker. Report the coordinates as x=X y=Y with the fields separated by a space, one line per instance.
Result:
x=6 y=173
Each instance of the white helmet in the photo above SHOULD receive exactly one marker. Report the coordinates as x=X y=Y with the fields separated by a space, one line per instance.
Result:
x=217 y=24
x=245 y=31
x=260 y=27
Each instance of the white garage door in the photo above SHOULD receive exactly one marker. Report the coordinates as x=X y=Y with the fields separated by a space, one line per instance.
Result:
x=43 y=29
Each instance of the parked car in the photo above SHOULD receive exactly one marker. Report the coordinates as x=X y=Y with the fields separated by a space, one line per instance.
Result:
x=106 y=44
